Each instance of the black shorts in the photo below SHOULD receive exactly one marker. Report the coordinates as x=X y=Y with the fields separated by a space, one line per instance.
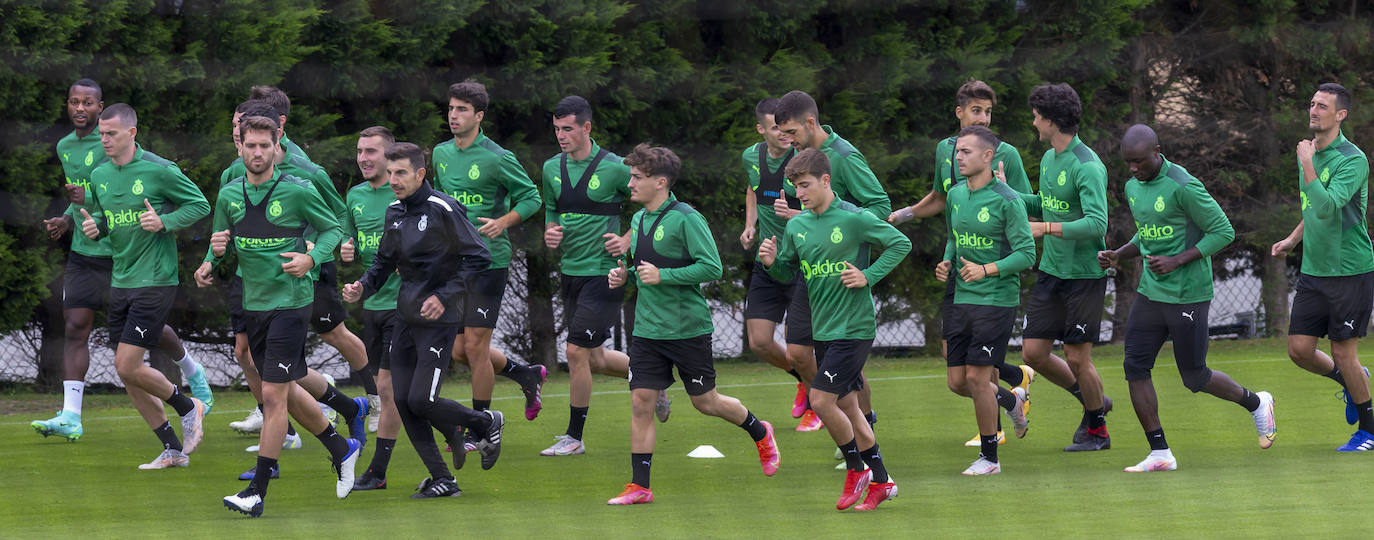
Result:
x=378 y=327
x=276 y=340
x=137 y=316
x=979 y=334
x=482 y=303
x=946 y=305
x=771 y=299
x=652 y=362
x=1069 y=310
x=328 y=312
x=841 y=365
x=1336 y=306
x=236 y=305
x=86 y=282
x=590 y=308
x=1151 y=323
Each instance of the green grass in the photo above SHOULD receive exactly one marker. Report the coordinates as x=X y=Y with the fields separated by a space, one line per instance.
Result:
x=1225 y=486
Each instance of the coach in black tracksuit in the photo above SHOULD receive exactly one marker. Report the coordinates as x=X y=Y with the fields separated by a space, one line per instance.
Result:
x=430 y=242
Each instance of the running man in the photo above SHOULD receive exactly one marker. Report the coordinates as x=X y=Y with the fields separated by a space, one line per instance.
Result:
x=990 y=239
x=138 y=201
x=486 y=178
x=1336 y=283
x=264 y=215
x=673 y=254
x=829 y=243
x=86 y=277
x=1179 y=227
x=1070 y=289
x=584 y=187
x=436 y=251
x=367 y=205
x=973 y=107
x=852 y=181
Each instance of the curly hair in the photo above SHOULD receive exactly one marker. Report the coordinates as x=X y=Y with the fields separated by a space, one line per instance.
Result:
x=1059 y=104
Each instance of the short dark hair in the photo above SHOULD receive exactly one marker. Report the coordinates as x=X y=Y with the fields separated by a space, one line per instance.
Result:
x=765 y=107
x=576 y=106
x=1059 y=104
x=259 y=123
x=974 y=89
x=409 y=151
x=88 y=83
x=1342 y=95
x=123 y=112
x=655 y=161
x=983 y=134
x=796 y=105
x=471 y=92
x=256 y=107
x=379 y=131
x=274 y=97
x=811 y=162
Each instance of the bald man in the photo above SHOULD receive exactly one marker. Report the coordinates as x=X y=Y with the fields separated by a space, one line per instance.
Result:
x=1179 y=227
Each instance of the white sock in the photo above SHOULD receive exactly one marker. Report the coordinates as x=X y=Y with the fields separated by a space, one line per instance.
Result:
x=189 y=367
x=1165 y=453
x=71 y=396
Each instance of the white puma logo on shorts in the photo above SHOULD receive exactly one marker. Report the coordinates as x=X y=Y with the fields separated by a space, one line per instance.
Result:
x=1350 y=324
x=142 y=332
x=326 y=317
x=699 y=380
x=1081 y=328
x=590 y=333
x=283 y=366
x=828 y=374
x=988 y=349
x=1188 y=314
x=483 y=312
x=437 y=352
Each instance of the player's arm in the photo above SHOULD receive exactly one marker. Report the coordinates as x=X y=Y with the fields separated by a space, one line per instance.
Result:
x=1019 y=239
x=190 y=202
x=1015 y=171
x=1092 y=195
x=324 y=220
x=864 y=187
x=1203 y=210
x=701 y=246
x=784 y=266
x=520 y=189
x=751 y=209
x=895 y=247
x=1346 y=181
x=930 y=205
x=384 y=260
x=220 y=222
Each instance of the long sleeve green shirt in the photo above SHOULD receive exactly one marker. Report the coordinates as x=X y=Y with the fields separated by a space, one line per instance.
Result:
x=1073 y=192
x=989 y=225
x=142 y=258
x=675 y=307
x=489 y=181
x=1335 y=236
x=1173 y=212
x=365 y=224
x=80 y=156
x=819 y=245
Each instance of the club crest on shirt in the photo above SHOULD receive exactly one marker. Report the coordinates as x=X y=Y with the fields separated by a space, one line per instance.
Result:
x=90 y=157
x=1063 y=177
x=423 y=224
x=138 y=187
x=836 y=236
x=275 y=209
x=594 y=183
x=983 y=215
x=658 y=233
x=1326 y=175
x=474 y=173
x=1159 y=203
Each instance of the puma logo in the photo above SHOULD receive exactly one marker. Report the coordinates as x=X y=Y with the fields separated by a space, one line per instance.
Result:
x=1350 y=324
x=1187 y=314
x=437 y=352
x=699 y=380
x=142 y=332
x=1083 y=328
x=988 y=349
x=283 y=366
x=590 y=334
x=829 y=375
x=326 y=317
x=483 y=312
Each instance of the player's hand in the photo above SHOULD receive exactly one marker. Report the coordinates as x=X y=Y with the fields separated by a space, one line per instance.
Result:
x=1281 y=248
x=746 y=238
x=149 y=220
x=1162 y=264
x=76 y=194
x=553 y=236
x=1306 y=149
x=57 y=226
x=88 y=227
x=1039 y=229
x=972 y=271
x=1001 y=173
x=768 y=251
x=1106 y=259
x=942 y=271
x=901 y=215
x=432 y=309
x=346 y=251
x=781 y=209
x=616 y=245
x=299 y=264
x=203 y=278
x=852 y=277
x=616 y=277
x=647 y=273
x=491 y=228
x=352 y=292
x=219 y=243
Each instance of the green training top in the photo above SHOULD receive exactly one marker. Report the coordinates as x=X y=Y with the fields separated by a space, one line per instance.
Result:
x=850 y=177
x=1073 y=191
x=1335 y=236
x=675 y=308
x=769 y=224
x=293 y=148
x=583 y=248
x=820 y=244
x=1174 y=212
x=947 y=172
x=80 y=156
x=294 y=204
x=365 y=223
x=989 y=225
x=296 y=164
x=142 y=258
x=486 y=179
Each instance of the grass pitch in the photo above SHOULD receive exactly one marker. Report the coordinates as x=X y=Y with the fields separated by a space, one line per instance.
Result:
x=1225 y=486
